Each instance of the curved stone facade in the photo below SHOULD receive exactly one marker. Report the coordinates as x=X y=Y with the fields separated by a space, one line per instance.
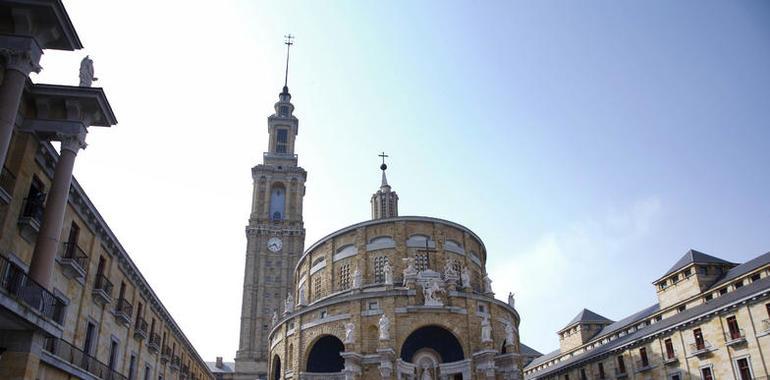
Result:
x=404 y=297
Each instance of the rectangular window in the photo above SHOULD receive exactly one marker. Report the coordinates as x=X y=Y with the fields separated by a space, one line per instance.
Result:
x=374 y=305
x=722 y=291
x=379 y=272
x=113 y=355
x=643 y=355
x=705 y=373
x=767 y=306
x=282 y=141
x=675 y=377
x=669 y=348
x=317 y=287
x=583 y=374
x=621 y=364
x=88 y=346
x=421 y=261
x=732 y=325
x=755 y=277
x=343 y=277
x=284 y=110
x=147 y=371
x=709 y=297
x=566 y=377
x=738 y=284
x=131 y=364
x=744 y=371
x=699 y=342
x=681 y=308
x=322 y=314
x=601 y=370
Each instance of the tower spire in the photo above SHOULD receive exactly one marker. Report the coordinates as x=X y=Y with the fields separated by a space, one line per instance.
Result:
x=384 y=201
x=289 y=40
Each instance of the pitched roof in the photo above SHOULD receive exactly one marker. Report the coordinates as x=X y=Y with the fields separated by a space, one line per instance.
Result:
x=588 y=316
x=227 y=367
x=744 y=268
x=529 y=351
x=757 y=287
x=693 y=256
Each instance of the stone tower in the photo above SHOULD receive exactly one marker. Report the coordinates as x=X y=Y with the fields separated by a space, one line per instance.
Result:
x=275 y=238
x=384 y=201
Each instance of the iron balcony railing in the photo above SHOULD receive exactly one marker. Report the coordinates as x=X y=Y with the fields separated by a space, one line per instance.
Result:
x=620 y=373
x=18 y=285
x=670 y=357
x=32 y=208
x=73 y=355
x=175 y=362
x=643 y=365
x=154 y=343
x=103 y=284
x=140 y=328
x=700 y=348
x=75 y=254
x=165 y=355
x=7 y=180
x=123 y=310
x=734 y=337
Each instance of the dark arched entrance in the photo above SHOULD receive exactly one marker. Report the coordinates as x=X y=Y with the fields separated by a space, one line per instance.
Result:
x=276 y=368
x=325 y=355
x=435 y=338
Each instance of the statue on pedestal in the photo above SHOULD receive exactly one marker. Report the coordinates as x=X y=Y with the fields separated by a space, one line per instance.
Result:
x=387 y=272
x=509 y=333
x=87 y=72
x=350 y=333
x=511 y=301
x=357 y=279
x=302 y=299
x=410 y=272
x=289 y=305
x=429 y=290
x=384 y=327
x=487 y=284
x=486 y=330
x=275 y=317
x=465 y=276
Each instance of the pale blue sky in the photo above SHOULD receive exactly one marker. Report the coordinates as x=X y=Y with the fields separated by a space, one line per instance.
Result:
x=590 y=144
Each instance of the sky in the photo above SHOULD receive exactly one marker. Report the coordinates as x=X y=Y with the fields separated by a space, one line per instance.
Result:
x=589 y=144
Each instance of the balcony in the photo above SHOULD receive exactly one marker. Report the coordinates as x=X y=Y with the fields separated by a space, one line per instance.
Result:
x=165 y=355
x=700 y=349
x=31 y=217
x=643 y=366
x=670 y=358
x=15 y=283
x=735 y=337
x=140 y=329
x=175 y=362
x=123 y=311
x=7 y=181
x=102 y=290
x=766 y=325
x=72 y=355
x=620 y=374
x=153 y=345
x=74 y=261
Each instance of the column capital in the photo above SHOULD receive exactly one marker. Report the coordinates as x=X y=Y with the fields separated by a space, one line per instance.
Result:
x=72 y=142
x=24 y=61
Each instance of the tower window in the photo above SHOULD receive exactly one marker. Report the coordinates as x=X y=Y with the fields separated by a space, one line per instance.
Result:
x=343 y=277
x=284 y=110
x=277 y=203
x=379 y=273
x=282 y=141
x=421 y=261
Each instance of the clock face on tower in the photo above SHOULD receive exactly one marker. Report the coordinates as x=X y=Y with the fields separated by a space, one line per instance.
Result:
x=274 y=244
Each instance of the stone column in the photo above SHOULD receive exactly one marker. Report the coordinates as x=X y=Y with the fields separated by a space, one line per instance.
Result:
x=47 y=243
x=18 y=64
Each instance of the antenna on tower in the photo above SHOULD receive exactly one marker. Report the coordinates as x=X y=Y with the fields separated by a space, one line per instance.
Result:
x=289 y=40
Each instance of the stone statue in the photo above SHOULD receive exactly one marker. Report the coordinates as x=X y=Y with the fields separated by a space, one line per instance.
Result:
x=275 y=317
x=449 y=271
x=289 y=307
x=409 y=272
x=350 y=333
x=511 y=301
x=357 y=279
x=426 y=372
x=429 y=290
x=486 y=330
x=302 y=299
x=465 y=276
x=384 y=327
x=87 y=72
x=487 y=284
x=509 y=333
x=387 y=271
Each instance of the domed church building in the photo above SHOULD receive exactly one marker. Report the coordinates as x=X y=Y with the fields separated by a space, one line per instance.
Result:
x=395 y=297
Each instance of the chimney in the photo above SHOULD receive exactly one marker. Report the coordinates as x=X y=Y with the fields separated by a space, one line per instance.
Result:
x=220 y=365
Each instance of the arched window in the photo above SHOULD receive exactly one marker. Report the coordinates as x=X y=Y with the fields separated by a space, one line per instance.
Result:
x=436 y=339
x=277 y=202
x=325 y=355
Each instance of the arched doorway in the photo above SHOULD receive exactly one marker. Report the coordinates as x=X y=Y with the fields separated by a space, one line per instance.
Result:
x=429 y=346
x=325 y=355
x=276 y=368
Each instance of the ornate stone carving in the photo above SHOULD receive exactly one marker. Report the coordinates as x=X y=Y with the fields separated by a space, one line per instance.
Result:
x=486 y=330
x=487 y=284
x=302 y=299
x=387 y=272
x=465 y=277
x=429 y=291
x=72 y=143
x=87 y=72
x=509 y=339
x=410 y=272
x=23 y=61
x=350 y=333
x=384 y=327
x=426 y=372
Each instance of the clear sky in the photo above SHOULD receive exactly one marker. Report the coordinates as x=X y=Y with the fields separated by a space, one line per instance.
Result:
x=589 y=144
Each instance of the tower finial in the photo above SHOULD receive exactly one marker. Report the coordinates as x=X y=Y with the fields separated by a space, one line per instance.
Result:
x=383 y=167
x=288 y=42
x=384 y=201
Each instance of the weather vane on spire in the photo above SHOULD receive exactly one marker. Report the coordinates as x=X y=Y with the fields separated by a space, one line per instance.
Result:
x=288 y=42
x=383 y=155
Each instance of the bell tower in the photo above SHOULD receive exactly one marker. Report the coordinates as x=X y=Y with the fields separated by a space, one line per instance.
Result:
x=384 y=201
x=275 y=235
